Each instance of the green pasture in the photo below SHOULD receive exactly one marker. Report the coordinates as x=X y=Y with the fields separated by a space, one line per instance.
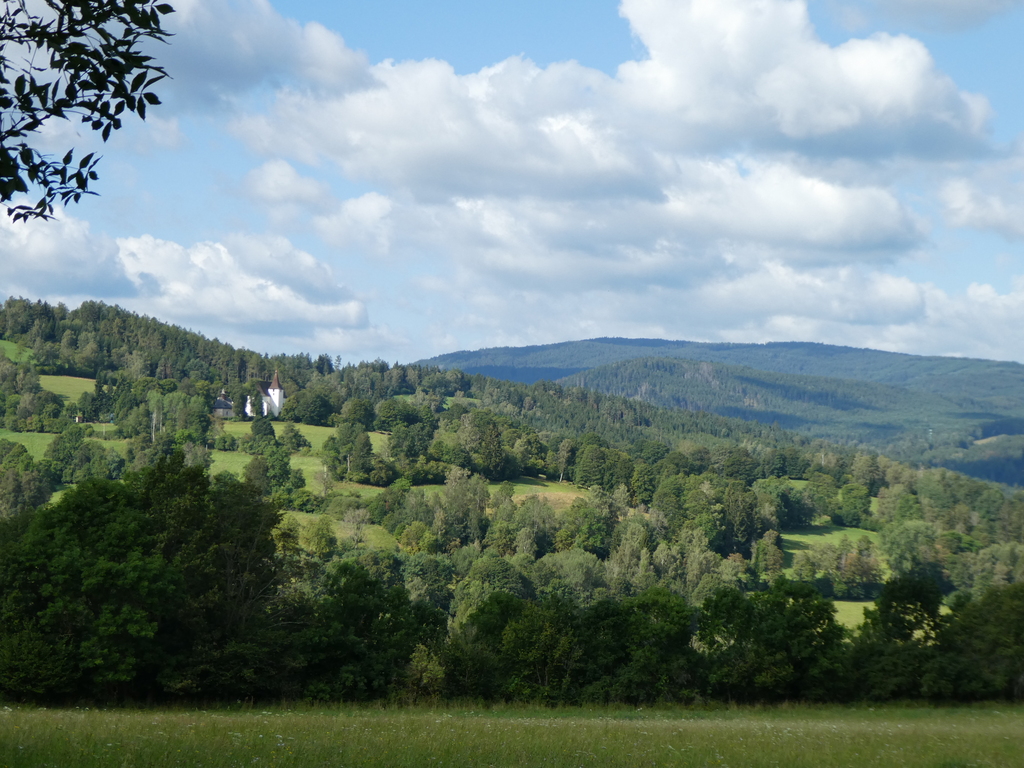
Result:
x=310 y=466
x=121 y=446
x=530 y=486
x=10 y=350
x=229 y=461
x=35 y=443
x=315 y=435
x=799 y=539
x=558 y=495
x=850 y=613
x=375 y=537
x=825 y=534
x=795 y=737
x=68 y=387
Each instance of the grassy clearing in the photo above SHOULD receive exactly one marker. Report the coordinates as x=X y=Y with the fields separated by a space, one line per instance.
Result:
x=315 y=435
x=559 y=495
x=310 y=466
x=10 y=350
x=374 y=536
x=797 y=737
x=530 y=486
x=121 y=446
x=229 y=461
x=35 y=442
x=67 y=387
x=850 y=613
x=800 y=539
x=826 y=534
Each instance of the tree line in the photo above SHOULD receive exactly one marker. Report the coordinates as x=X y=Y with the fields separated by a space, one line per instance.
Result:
x=170 y=585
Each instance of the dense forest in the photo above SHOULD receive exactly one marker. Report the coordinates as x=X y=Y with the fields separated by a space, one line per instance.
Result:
x=957 y=413
x=662 y=576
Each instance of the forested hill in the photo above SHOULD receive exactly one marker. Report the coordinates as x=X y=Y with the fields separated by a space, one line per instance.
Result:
x=840 y=410
x=97 y=338
x=956 y=378
x=409 y=532
x=959 y=413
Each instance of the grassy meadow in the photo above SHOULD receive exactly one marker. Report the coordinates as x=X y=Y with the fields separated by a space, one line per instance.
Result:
x=67 y=387
x=35 y=443
x=799 y=539
x=10 y=350
x=795 y=737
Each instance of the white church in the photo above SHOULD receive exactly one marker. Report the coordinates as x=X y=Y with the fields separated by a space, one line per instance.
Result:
x=271 y=392
x=273 y=397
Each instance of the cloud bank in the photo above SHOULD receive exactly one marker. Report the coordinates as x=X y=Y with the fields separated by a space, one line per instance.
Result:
x=741 y=180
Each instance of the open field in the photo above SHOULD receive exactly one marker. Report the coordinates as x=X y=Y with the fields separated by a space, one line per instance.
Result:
x=559 y=495
x=796 y=737
x=825 y=534
x=9 y=350
x=374 y=536
x=68 y=387
x=850 y=613
x=315 y=435
x=229 y=461
x=35 y=443
x=799 y=539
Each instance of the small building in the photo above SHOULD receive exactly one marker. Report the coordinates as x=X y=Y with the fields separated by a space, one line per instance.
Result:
x=273 y=397
x=223 y=408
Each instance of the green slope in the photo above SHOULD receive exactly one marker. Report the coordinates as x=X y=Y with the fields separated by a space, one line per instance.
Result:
x=958 y=378
x=840 y=410
x=938 y=411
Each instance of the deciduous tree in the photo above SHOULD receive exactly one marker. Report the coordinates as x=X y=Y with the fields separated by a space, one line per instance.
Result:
x=68 y=59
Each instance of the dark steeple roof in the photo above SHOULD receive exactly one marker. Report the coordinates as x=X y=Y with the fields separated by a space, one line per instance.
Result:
x=276 y=383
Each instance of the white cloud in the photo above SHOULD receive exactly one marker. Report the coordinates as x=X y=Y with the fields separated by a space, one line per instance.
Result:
x=56 y=258
x=747 y=67
x=222 y=48
x=266 y=285
x=718 y=74
x=743 y=180
x=968 y=206
x=362 y=221
x=992 y=201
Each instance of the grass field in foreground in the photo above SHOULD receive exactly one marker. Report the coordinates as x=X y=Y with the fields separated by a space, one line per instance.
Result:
x=797 y=737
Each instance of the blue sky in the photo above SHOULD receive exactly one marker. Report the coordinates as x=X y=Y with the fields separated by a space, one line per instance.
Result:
x=396 y=179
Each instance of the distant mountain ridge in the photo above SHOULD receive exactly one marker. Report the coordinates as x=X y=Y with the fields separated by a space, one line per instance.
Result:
x=957 y=377
x=924 y=409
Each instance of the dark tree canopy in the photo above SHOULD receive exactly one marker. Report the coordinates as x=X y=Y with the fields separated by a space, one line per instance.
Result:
x=76 y=58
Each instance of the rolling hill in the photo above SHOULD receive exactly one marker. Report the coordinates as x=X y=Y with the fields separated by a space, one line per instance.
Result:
x=959 y=413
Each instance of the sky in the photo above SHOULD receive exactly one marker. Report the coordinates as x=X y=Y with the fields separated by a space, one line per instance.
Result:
x=396 y=179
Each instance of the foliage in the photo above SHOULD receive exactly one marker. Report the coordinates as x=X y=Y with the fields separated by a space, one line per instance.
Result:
x=72 y=60
x=775 y=645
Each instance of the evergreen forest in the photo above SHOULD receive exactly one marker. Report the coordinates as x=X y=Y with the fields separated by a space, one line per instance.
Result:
x=958 y=413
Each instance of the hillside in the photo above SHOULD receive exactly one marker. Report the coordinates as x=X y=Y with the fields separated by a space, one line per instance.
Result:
x=839 y=410
x=929 y=410
x=952 y=377
x=430 y=498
